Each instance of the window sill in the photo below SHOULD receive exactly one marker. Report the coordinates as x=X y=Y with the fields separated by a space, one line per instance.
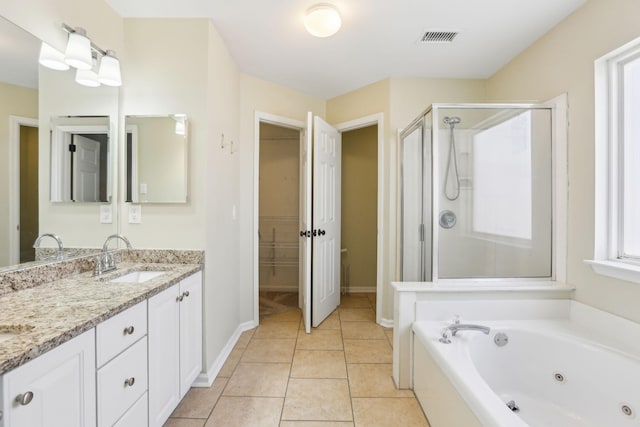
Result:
x=616 y=269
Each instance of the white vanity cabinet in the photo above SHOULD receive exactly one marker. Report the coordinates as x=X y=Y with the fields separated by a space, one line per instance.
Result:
x=121 y=354
x=56 y=389
x=175 y=345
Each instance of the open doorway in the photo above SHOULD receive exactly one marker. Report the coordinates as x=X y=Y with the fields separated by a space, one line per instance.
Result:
x=23 y=189
x=28 y=189
x=278 y=233
x=362 y=274
x=359 y=212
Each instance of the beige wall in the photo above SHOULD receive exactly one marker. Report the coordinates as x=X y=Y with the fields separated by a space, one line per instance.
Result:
x=14 y=101
x=563 y=61
x=360 y=206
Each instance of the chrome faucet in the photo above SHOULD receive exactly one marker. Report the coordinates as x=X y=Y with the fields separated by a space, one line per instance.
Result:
x=105 y=262
x=468 y=327
x=452 y=330
x=60 y=253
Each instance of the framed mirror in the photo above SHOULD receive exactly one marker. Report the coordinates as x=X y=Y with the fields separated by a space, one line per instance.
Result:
x=156 y=159
x=80 y=163
x=30 y=97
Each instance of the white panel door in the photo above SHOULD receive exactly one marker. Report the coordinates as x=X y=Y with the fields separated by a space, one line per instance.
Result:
x=190 y=331
x=86 y=170
x=327 y=160
x=305 y=222
x=164 y=355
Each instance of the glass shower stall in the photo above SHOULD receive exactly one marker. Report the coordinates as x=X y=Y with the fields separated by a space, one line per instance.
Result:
x=477 y=193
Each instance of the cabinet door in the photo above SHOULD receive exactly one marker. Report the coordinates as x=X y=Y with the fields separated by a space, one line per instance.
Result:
x=164 y=355
x=190 y=331
x=62 y=385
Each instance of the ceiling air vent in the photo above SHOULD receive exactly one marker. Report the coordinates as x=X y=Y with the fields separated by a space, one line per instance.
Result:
x=439 y=36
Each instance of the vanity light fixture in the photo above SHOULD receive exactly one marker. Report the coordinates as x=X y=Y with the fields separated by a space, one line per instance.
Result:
x=322 y=20
x=52 y=58
x=78 y=52
x=82 y=54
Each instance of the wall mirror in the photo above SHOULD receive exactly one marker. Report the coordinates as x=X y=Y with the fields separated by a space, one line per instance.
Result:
x=80 y=164
x=30 y=96
x=156 y=159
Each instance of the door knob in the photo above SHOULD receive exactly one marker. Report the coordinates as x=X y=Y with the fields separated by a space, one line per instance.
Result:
x=129 y=330
x=322 y=232
x=129 y=381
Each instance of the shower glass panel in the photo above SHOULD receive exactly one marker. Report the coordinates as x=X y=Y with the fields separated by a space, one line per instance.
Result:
x=494 y=192
x=415 y=143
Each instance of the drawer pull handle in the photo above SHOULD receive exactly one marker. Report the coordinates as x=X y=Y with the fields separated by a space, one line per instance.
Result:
x=129 y=381
x=25 y=399
x=129 y=330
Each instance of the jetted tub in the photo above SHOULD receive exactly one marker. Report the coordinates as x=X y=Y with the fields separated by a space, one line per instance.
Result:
x=555 y=373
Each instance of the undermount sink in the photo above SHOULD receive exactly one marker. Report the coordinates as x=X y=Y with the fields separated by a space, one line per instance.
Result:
x=137 y=276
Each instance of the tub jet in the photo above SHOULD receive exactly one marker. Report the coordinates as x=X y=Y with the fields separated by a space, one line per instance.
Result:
x=513 y=406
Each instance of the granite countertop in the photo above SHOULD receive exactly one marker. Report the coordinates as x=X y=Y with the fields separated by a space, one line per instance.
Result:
x=50 y=314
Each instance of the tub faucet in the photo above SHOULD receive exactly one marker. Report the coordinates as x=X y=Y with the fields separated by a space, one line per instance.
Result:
x=468 y=327
x=60 y=253
x=105 y=261
x=453 y=329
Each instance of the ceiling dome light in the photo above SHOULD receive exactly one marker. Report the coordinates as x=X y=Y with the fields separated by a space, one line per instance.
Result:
x=109 y=73
x=78 y=53
x=52 y=58
x=322 y=20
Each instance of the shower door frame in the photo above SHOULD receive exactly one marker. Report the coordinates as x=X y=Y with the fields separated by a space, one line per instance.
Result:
x=559 y=186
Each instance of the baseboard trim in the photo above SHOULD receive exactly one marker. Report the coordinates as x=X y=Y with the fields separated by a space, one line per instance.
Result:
x=386 y=323
x=205 y=379
x=361 y=290
x=293 y=289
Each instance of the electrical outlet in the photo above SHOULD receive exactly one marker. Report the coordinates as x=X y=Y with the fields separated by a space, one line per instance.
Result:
x=135 y=214
x=106 y=214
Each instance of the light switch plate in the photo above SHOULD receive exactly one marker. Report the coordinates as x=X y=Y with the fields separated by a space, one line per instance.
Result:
x=106 y=214
x=135 y=214
x=143 y=188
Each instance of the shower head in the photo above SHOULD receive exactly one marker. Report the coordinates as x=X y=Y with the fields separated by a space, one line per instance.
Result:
x=451 y=121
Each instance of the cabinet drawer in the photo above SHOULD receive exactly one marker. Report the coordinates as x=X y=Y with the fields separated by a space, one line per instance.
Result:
x=119 y=332
x=115 y=396
x=137 y=415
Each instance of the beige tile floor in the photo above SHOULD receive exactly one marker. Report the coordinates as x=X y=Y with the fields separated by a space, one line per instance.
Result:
x=277 y=375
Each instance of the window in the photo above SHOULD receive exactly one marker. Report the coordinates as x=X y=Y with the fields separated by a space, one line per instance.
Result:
x=617 y=238
x=502 y=178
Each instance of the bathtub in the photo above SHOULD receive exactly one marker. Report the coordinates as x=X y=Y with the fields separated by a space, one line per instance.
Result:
x=559 y=373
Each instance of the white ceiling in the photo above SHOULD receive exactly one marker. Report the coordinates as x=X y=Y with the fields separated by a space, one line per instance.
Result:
x=378 y=39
